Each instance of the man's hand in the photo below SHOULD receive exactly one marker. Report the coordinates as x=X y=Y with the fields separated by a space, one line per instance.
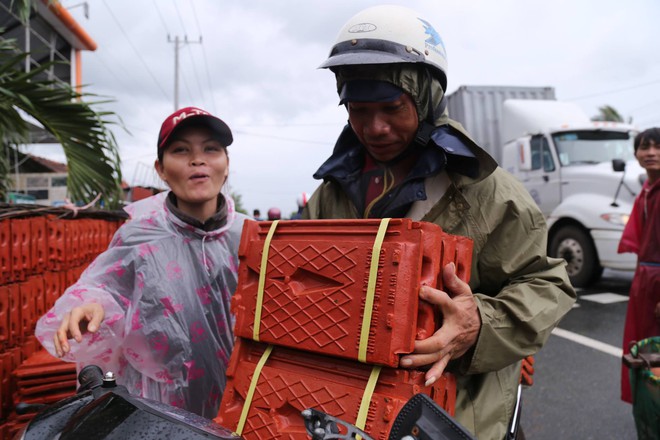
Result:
x=460 y=326
x=83 y=319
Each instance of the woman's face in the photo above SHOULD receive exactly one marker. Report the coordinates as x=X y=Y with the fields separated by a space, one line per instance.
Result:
x=195 y=166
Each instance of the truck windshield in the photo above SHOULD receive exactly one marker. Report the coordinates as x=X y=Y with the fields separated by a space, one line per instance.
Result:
x=593 y=146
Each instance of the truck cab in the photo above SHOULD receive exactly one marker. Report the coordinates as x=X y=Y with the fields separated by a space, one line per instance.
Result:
x=582 y=174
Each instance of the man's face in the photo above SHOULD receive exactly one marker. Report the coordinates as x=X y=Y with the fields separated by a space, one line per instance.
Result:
x=384 y=128
x=648 y=155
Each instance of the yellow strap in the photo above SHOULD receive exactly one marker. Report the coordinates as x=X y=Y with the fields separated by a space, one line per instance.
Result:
x=366 y=398
x=371 y=290
x=262 y=281
x=253 y=386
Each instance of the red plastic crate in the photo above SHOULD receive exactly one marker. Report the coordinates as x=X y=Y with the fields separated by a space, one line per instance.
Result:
x=9 y=361
x=4 y=316
x=43 y=364
x=30 y=346
x=58 y=247
x=6 y=367
x=5 y=252
x=15 y=327
x=52 y=288
x=39 y=296
x=38 y=245
x=316 y=281
x=73 y=237
x=20 y=253
x=291 y=381
x=26 y=310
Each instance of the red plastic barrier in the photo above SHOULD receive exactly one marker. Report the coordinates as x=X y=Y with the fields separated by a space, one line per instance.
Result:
x=316 y=281
x=291 y=381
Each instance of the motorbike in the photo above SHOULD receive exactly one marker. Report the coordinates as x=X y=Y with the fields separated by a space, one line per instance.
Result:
x=103 y=409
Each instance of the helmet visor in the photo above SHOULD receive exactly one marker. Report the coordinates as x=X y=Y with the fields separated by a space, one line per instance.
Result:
x=366 y=51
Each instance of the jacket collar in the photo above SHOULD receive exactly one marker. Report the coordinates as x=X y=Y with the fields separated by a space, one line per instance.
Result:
x=216 y=221
x=453 y=148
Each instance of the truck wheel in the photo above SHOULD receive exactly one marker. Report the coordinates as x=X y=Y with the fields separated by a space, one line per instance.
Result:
x=574 y=245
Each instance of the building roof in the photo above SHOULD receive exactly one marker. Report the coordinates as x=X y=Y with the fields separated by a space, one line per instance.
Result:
x=64 y=23
x=56 y=167
x=35 y=164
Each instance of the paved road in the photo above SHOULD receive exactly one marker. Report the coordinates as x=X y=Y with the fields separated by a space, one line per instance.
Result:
x=576 y=383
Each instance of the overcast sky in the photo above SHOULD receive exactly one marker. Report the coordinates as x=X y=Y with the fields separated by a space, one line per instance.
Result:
x=256 y=68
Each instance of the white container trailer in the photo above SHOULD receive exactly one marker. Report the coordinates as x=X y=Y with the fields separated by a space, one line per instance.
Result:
x=479 y=110
x=582 y=174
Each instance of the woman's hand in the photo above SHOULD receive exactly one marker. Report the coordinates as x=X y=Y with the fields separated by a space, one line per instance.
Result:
x=80 y=320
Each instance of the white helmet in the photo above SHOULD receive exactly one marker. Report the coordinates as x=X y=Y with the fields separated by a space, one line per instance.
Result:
x=389 y=34
x=302 y=200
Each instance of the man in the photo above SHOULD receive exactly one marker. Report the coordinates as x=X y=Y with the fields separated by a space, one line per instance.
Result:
x=641 y=236
x=401 y=156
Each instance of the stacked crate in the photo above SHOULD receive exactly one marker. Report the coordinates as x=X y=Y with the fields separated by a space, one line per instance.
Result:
x=321 y=323
x=41 y=254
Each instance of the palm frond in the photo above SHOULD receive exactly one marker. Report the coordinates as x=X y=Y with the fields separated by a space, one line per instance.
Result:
x=89 y=145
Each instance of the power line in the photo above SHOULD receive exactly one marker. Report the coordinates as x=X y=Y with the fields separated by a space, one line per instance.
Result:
x=178 y=13
x=196 y=76
x=162 y=20
x=204 y=57
x=176 y=65
x=192 y=59
x=135 y=49
x=283 y=138
x=613 y=91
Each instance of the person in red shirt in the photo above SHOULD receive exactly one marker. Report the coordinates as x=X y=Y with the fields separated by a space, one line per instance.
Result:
x=642 y=236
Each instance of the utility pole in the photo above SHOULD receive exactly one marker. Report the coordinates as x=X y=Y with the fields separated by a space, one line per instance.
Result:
x=177 y=44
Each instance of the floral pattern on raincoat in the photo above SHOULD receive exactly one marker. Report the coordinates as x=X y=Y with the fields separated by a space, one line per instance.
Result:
x=165 y=287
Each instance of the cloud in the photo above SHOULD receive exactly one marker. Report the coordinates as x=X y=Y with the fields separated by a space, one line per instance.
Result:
x=256 y=68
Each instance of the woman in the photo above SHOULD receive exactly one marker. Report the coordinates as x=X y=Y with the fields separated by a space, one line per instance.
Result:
x=154 y=307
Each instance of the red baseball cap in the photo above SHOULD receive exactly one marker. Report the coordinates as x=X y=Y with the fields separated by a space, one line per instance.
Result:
x=185 y=116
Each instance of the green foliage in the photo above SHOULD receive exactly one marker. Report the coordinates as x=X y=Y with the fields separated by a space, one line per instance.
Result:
x=238 y=202
x=608 y=113
x=90 y=147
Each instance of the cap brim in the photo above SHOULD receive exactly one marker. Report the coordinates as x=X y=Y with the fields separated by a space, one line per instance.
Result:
x=362 y=90
x=221 y=131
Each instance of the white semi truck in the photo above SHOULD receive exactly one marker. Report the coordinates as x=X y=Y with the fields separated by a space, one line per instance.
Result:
x=582 y=174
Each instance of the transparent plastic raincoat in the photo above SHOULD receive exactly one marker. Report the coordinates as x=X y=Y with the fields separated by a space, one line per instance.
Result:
x=165 y=287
